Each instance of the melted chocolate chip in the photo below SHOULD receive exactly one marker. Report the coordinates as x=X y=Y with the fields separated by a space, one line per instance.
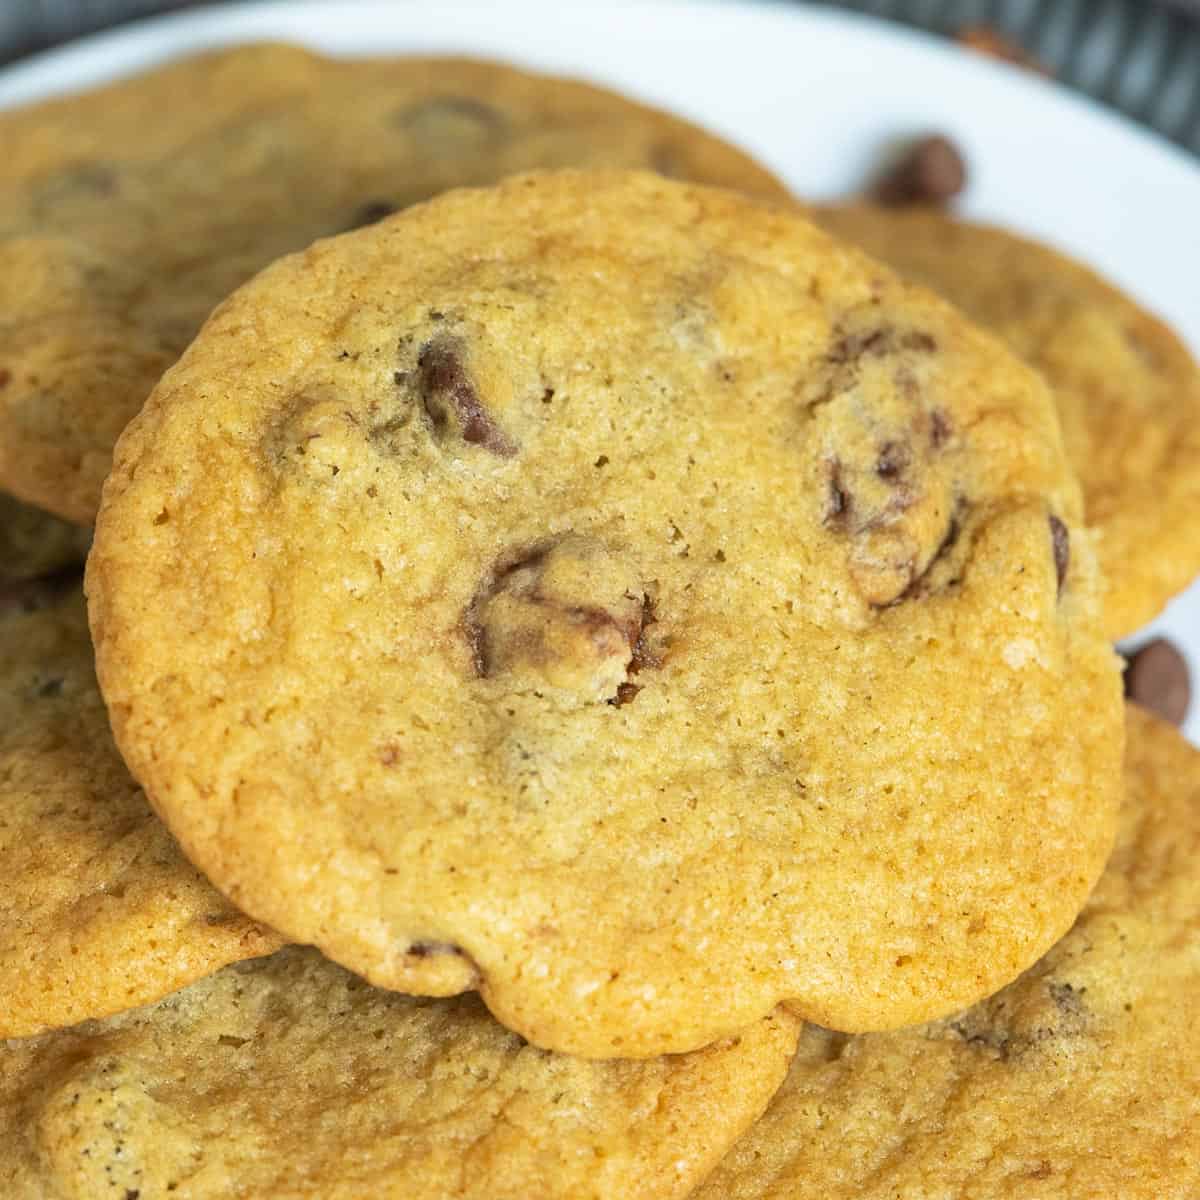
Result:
x=1157 y=678
x=371 y=213
x=429 y=949
x=568 y=614
x=875 y=343
x=837 y=510
x=919 y=341
x=893 y=459
x=1061 y=542
x=450 y=398
x=100 y=179
x=932 y=171
x=447 y=122
x=644 y=656
x=940 y=429
x=853 y=346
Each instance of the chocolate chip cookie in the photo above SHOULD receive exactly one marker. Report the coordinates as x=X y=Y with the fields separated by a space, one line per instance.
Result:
x=120 y=230
x=1082 y=1079
x=1128 y=391
x=620 y=596
x=288 y=1077
x=99 y=911
x=34 y=544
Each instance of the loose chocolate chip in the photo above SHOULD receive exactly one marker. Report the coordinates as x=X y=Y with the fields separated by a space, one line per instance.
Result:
x=370 y=213
x=450 y=398
x=991 y=43
x=1157 y=678
x=1061 y=541
x=932 y=171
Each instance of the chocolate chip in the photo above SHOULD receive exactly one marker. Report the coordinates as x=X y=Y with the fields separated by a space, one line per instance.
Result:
x=448 y=123
x=644 y=657
x=370 y=213
x=1157 y=678
x=568 y=614
x=838 y=507
x=853 y=346
x=1068 y=999
x=450 y=398
x=429 y=949
x=1061 y=541
x=666 y=159
x=939 y=429
x=991 y=43
x=51 y=688
x=931 y=171
x=892 y=460
x=5 y=376
x=918 y=340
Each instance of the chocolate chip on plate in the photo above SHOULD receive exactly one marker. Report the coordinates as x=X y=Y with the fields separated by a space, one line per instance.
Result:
x=1157 y=678
x=931 y=171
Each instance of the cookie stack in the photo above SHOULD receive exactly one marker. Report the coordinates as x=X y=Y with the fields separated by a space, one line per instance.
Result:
x=621 y=680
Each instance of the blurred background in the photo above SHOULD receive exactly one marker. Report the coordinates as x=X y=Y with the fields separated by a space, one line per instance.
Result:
x=1139 y=56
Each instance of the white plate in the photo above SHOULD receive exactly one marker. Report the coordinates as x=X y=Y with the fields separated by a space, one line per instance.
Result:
x=816 y=94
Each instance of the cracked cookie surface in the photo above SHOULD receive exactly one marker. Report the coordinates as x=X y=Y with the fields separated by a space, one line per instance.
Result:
x=702 y=630
x=1080 y=1081
x=119 y=231
x=99 y=910
x=1126 y=388
x=288 y=1077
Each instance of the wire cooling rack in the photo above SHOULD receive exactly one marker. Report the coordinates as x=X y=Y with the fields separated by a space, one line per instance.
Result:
x=1140 y=56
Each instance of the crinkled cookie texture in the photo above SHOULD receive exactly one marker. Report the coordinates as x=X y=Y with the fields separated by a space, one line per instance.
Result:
x=99 y=911
x=288 y=1077
x=119 y=231
x=34 y=544
x=618 y=595
x=1081 y=1081
x=1128 y=391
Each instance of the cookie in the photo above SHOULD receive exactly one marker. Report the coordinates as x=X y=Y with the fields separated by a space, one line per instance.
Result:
x=1082 y=1079
x=119 y=231
x=99 y=911
x=288 y=1077
x=34 y=544
x=618 y=595
x=1128 y=391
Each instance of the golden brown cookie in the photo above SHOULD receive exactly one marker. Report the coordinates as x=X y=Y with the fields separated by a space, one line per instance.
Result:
x=288 y=1078
x=34 y=544
x=1081 y=1080
x=1128 y=391
x=99 y=911
x=618 y=594
x=120 y=230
